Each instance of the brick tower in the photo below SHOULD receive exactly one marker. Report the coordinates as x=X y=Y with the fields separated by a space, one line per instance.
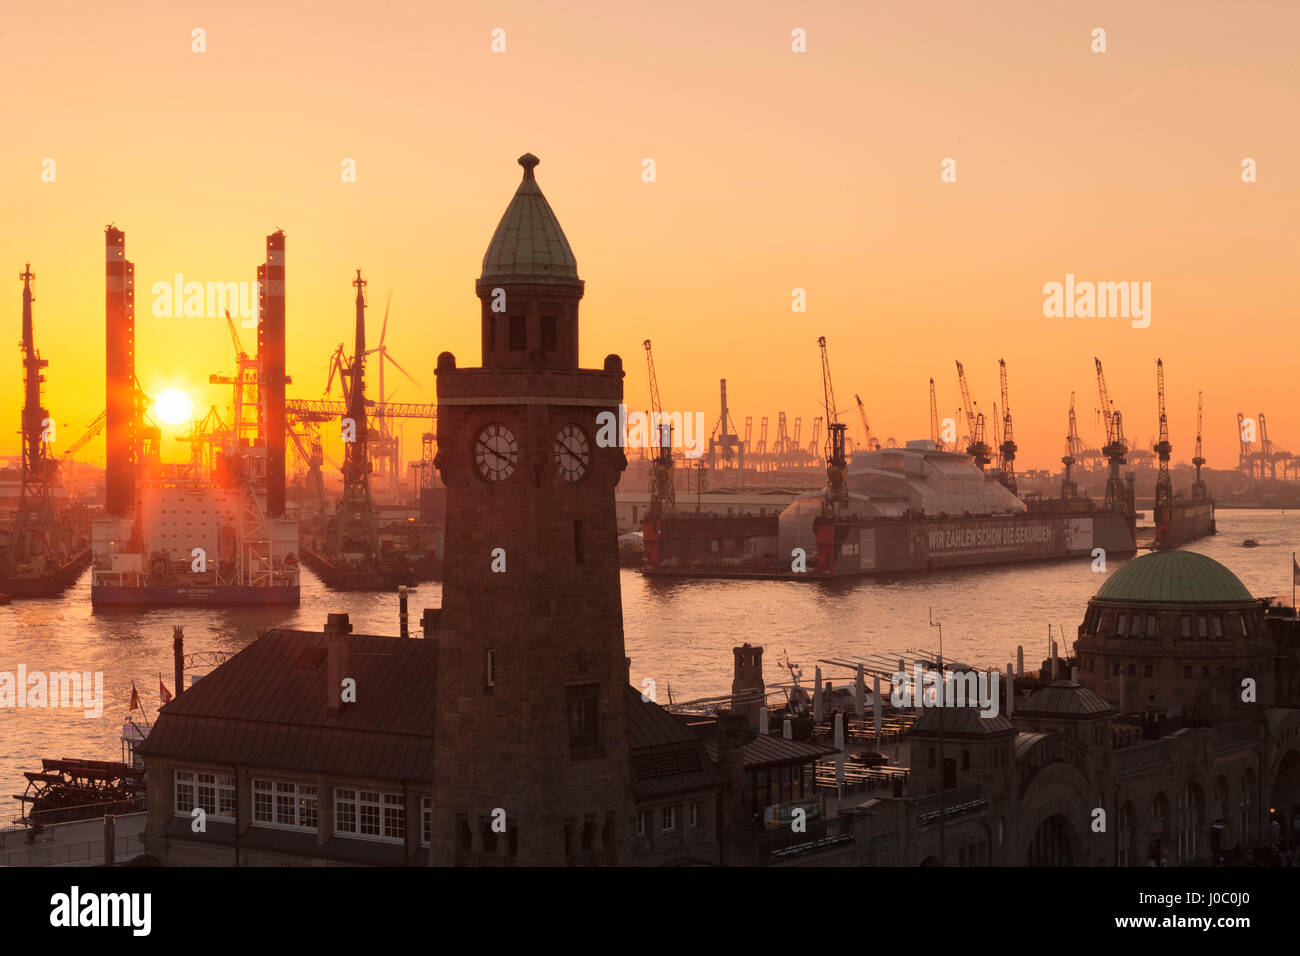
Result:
x=531 y=753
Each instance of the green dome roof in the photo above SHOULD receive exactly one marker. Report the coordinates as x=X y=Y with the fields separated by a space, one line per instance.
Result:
x=529 y=243
x=1174 y=577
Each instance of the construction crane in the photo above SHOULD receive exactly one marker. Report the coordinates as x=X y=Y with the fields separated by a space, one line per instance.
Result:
x=1115 y=448
x=1070 y=487
x=1007 y=444
x=869 y=441
x=96 y=427
x=1199 y=491
x=934 y=421
x=663 y=492
x=1164 y=500
x=836 y=501
x=978 y=448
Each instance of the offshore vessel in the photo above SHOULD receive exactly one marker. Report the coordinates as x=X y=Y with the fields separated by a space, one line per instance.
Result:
x=909 y=509
x=195 y=541
x=213 y=532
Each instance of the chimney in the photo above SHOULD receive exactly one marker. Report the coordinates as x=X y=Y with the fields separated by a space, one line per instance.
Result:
x=178 y=656
x=337 y=630
x=402 y=620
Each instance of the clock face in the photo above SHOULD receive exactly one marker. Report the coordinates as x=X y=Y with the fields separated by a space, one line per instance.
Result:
x=572 y=453
x=495 y=452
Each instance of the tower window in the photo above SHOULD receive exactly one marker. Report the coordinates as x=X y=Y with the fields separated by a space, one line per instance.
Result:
x=579 y=552
x=518 y=333
x=548 y=333
x=489 y=669
x=583 y=727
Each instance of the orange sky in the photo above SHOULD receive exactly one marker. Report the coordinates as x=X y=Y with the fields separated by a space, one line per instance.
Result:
x=775 y=170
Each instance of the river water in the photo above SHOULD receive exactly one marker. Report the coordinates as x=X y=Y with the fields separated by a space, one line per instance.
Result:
x=678 y=633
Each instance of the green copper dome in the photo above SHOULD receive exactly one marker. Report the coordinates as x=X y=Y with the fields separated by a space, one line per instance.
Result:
x=529 y=244
x=1174 y=577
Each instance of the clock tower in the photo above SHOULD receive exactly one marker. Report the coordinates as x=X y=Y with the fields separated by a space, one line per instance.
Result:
x=531 y=752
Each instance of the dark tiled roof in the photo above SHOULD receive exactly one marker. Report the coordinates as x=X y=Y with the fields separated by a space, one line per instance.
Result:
x=666 y=757
x=765 y=751
x=648 y=724
x=961 y=720
x=1065 y=698
x=266 y=706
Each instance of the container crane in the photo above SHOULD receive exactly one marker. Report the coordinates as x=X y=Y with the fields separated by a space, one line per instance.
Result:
x=663 y=491
x=836 y=501
x=978 y=448
x=1007 y=446
x=1115 y=448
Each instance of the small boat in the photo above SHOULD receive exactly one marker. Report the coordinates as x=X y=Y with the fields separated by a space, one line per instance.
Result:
x=1250 y=543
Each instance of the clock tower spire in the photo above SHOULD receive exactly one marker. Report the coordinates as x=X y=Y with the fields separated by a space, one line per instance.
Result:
x=531 y=749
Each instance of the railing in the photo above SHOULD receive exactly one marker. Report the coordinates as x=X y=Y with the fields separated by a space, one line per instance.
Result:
x=64 y=854
x=784 y=844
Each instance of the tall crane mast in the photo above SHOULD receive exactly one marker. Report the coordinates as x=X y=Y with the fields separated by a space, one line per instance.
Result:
x=1115 y=449
x=1007 y=446
x=1070 y=487
x=978 y=448
x=1164 y=485
x=663 y=491
x=836 y=501
x=1198 y=487
x=934 y=420
x=356 y=527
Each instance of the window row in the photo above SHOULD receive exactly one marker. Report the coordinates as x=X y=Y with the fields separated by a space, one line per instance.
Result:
x=1140 y=624
x=291 y=805
x=668 y=819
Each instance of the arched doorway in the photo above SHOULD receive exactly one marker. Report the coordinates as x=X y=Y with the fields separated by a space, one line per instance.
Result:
x=1052 y=843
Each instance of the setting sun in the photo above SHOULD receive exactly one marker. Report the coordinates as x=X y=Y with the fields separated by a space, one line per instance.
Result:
x=173 y=407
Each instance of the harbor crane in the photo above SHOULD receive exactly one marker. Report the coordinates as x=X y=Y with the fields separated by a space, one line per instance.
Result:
x=1199 y=491
x=869 y=441
x=836 y=502
x=1164 y=500
x=1115 y=448
x=978 y=448
x=934 y=421
x=1007 y=446
x=663 y=492
x=1073 y=446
